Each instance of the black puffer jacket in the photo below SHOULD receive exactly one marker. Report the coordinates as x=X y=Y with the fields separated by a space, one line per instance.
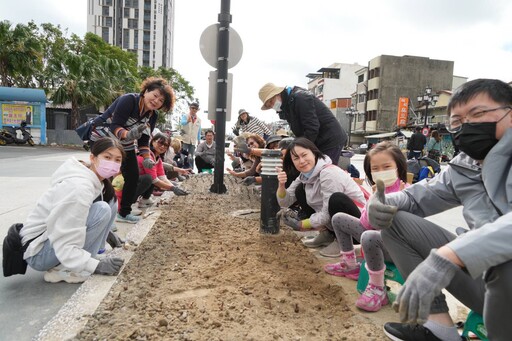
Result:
x=309 y=117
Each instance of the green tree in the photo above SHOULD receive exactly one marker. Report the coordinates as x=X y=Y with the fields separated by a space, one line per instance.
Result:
x=55 y=46
x=83 y=83
x=20 y=54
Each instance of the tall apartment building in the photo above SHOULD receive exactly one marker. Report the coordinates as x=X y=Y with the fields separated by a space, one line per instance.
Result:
x=144 y=27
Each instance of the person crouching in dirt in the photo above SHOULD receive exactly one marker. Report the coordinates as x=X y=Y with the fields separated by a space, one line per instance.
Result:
x=66 y=229
x=272 y=142
x=172 y=171
x=158 y=147
x=321 y=179
x=252 y=141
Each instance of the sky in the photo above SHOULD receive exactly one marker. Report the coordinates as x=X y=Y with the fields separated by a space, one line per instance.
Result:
x=284 y=40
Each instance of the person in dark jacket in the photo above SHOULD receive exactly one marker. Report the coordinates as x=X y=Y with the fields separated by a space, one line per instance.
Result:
x=134 y=116
x=307 y=116
x=416 y=144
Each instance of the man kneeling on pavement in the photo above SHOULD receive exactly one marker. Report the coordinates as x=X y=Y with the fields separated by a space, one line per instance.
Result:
x=476 y=267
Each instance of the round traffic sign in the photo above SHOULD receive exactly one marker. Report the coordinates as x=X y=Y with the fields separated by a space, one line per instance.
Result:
x=208 y=46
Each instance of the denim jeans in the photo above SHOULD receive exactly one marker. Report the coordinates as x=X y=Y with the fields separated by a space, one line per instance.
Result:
x=99 y=220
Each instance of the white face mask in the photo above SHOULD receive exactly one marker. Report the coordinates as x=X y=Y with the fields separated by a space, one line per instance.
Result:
x=277 y=105
x=389 y=177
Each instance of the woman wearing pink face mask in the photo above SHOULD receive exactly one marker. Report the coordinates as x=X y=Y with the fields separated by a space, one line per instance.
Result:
x=71 y=221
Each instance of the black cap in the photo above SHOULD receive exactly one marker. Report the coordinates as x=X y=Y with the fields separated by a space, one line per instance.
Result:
x=273 y=138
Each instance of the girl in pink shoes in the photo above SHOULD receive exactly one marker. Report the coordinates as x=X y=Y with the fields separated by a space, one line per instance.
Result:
x=385 y=162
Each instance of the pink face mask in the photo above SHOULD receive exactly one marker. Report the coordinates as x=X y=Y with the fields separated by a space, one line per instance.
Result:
x=107 y=168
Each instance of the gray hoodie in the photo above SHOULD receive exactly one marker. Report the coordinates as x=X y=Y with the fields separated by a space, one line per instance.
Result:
x=486 y=196
x=60 y=216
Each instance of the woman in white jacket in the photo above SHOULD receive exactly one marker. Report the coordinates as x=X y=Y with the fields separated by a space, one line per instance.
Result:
x=329 y=190
x=68 y=226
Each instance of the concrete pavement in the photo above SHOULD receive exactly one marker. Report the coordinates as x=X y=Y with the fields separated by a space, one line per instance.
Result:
x=33 y=309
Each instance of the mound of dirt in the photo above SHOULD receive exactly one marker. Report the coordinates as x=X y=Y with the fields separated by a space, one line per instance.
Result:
x=205 y=273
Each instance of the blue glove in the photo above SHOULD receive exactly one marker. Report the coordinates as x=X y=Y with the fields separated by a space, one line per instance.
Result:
x=423 y=284
x=148 y=163
x=380 y=215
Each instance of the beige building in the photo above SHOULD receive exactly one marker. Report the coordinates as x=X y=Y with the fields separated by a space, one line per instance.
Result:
x=144 y=27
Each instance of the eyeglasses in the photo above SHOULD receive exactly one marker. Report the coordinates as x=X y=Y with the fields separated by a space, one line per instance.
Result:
x=454 y=123
x=161 y=143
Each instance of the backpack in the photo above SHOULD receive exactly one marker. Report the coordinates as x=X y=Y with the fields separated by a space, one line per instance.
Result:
x=12 y=252
x=426 y=172
x=84 y=130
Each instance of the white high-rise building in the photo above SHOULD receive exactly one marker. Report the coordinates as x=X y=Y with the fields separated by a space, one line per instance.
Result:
x=144 y=27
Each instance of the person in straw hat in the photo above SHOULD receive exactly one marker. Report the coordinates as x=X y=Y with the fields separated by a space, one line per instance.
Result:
x=307 y=116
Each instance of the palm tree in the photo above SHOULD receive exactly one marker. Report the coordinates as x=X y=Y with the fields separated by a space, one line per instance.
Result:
x=82 y=83
x=20 y=55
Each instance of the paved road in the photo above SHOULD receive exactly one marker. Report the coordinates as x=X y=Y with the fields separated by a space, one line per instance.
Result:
x=27 y=302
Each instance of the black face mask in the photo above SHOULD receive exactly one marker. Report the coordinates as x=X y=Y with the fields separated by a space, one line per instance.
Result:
x=476 y=139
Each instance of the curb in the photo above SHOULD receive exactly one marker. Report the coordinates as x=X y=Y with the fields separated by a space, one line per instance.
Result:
x=75 y=313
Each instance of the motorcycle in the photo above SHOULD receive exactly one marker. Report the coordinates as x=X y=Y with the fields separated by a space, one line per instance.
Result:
x=10 y=137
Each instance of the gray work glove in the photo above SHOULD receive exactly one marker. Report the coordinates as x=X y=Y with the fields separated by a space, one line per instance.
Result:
x=148 y=163
x=109 y=266
x=380 y=215
x=135 y=133
x=293 y=222
x=249 y=180
x=178 y=191
x=114 y=240
x=423 y=284
x=243 y=148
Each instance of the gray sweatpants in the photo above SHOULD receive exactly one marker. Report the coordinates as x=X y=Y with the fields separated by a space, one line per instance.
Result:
x=346 y=226
x=409 y=241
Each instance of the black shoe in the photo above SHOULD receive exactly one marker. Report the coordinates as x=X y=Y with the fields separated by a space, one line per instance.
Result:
x=408 y=332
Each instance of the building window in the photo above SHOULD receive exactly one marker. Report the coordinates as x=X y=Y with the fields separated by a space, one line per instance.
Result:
x=105 y=34
x=136 y=39
x=136 y=14
x=108 y=21
x=126 y=12
x=360 y=78
x=375 y=72
x=145 y=58
x=107 y=3
x=132 y=23
x=105 y=10
x=371 y=115
x=360 y=98
x=126 y=38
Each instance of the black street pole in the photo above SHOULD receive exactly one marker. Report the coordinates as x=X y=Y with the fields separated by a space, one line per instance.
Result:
x=426 y=112
x=222 y=94
x=349 y=129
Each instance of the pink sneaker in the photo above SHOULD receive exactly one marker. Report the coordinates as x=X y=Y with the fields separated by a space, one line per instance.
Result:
x=373 y=298
x=341 y=269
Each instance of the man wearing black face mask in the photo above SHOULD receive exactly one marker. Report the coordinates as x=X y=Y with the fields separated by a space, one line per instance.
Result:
x=477 y=266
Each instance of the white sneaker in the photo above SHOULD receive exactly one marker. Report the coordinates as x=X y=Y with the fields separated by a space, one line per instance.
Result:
x=59 y=274
x=145 y=203
x=135 y=212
